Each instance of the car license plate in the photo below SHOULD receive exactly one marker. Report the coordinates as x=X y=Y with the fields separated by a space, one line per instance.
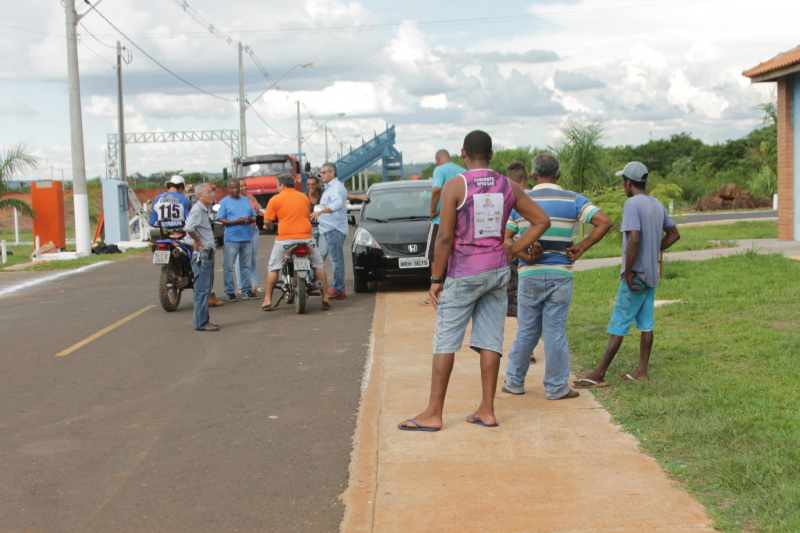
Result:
x=161 y=257
x=302 y=263
x=413 y=262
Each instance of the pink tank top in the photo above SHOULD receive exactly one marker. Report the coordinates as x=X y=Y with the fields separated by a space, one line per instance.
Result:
x=480 y=224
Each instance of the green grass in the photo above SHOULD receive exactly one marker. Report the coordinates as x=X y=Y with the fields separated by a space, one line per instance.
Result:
x=721 y=414
x=22 y=255
x=26 y=235
x=695 y=238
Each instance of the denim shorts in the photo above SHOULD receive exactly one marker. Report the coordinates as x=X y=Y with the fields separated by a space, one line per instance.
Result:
x=480 y=297
x=633 y=306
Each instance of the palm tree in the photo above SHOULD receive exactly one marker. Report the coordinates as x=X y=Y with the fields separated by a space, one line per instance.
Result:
x=581 y=155
x=582 y=158
x=16 y=161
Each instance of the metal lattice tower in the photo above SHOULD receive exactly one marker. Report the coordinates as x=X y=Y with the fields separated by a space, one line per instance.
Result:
x=229 y=137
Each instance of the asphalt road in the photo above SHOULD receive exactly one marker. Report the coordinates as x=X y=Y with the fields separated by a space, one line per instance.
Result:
x=693 y=218
x=154 y=427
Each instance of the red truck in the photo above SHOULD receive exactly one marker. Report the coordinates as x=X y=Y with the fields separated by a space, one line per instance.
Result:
x=260 y=172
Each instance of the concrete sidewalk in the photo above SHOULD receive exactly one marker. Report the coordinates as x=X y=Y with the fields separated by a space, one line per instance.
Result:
x=555 y=466
x=790 y=249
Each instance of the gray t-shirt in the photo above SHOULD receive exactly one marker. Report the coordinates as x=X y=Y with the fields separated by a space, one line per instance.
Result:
x=647 y=215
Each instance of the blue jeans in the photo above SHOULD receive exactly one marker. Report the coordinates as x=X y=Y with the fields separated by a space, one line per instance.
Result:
x=203 y=278
x=232 y=250
x=253 y=263
x=542 y=307
x=334 y=240
x=480 y=297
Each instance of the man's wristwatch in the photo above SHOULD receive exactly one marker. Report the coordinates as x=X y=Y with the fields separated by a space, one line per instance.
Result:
x=440 y=280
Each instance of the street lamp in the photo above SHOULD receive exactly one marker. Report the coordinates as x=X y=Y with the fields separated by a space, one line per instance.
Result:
x=243 y=107
x=302 y=65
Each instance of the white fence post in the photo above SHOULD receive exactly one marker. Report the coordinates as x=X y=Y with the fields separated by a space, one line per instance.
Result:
x=4 y=253
x=16 y=226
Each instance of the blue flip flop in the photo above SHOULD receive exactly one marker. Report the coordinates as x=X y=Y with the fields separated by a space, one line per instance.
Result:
x=475 y=420
x=418 y=428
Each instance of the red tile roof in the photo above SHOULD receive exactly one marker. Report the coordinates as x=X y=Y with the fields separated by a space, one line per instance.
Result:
x=786 y=60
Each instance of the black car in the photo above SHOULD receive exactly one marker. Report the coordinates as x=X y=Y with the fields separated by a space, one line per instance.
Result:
x=392 y=233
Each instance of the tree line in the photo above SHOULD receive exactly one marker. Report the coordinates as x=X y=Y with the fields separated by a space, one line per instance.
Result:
x=683 y=167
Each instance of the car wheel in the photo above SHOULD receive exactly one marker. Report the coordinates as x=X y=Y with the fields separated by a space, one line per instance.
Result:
x=360 y=283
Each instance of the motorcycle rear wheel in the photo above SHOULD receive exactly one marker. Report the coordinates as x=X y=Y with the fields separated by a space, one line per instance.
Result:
x=168 y=294
x=300 y=294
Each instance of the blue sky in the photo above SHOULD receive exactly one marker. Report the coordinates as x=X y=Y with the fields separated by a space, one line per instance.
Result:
x=436 y=70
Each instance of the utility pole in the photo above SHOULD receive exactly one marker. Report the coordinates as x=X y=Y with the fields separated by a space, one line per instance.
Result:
x=83 y=243
x=299 y=137
x=326 y=143
x=242 y=127
x=123 y=174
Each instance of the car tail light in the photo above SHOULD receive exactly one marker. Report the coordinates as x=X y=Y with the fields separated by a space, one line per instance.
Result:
x=301 y=250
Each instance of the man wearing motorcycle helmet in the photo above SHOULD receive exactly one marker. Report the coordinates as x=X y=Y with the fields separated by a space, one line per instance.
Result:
x=292 y=209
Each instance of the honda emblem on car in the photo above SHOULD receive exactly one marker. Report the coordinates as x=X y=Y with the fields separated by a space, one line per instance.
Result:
x=412 y=248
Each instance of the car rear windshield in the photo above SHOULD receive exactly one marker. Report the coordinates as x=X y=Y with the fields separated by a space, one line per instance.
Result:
x=395 y=204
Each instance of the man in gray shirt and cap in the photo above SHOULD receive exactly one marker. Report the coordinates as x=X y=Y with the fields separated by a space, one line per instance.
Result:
x=198 y=227
x=644 y=220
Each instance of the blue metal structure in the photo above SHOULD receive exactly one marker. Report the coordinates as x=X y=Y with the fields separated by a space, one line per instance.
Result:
x=381 y=146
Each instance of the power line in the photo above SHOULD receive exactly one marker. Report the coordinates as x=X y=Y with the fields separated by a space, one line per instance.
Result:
x=112 y=65
x=227 y=39
x=267 y=124
x=444 y=22
x=29 y=31
x=159 y=64
x=95 y=37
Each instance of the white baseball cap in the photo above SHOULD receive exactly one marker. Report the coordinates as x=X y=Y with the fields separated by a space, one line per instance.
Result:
x=177 y=180
x=634 y=171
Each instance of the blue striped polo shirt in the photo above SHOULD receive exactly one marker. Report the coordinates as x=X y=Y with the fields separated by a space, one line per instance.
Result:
x=564 y=208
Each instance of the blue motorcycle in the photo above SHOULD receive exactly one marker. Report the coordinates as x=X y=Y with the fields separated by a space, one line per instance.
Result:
x=175 y=258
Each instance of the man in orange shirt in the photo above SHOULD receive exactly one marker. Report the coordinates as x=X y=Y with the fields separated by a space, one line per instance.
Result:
x=292 y=209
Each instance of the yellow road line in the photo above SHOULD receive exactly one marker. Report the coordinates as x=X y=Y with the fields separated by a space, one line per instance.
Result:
x=102 y=332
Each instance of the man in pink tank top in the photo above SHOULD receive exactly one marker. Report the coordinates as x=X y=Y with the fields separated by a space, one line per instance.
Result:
x=475 y=207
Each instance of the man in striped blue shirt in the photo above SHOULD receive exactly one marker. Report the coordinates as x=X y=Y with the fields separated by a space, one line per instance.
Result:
x=545 y=279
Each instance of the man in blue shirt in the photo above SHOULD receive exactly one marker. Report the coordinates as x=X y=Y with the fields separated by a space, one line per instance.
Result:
x=236 y=214
x=170 y=208
x=445 y=169
x=644 y=223
x=333 y=226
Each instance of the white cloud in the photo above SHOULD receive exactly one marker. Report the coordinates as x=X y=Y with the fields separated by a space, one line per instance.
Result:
x=702 y=52
x=649 y=69
x=167 y=106
x=434 y=101
x=101 y=106
x=694 y=99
